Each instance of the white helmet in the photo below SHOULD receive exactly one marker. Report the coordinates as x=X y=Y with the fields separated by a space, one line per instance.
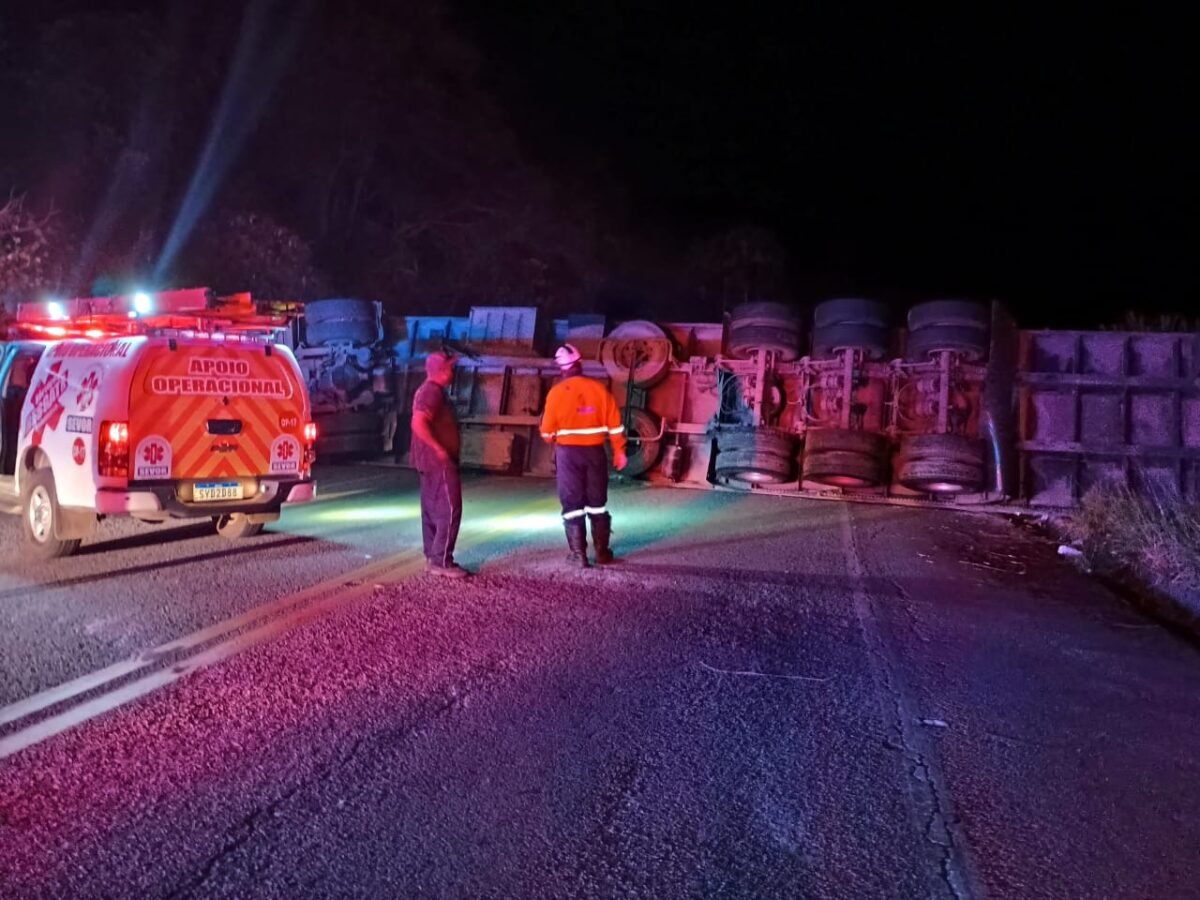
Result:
x=566 y=356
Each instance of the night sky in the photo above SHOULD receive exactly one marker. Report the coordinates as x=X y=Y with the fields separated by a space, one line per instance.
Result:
x=1044 y=158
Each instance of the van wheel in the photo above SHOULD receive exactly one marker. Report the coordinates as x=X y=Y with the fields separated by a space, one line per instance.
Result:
x=236 y=525
x=39 y=507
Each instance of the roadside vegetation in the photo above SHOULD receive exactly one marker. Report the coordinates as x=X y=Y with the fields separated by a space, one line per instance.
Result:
x=1149 y=541
x=1133 y=320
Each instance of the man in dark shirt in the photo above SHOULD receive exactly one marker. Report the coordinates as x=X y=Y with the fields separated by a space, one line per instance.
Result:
x=435 y=449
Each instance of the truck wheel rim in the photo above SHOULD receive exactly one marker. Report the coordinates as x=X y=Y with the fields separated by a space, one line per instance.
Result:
x=41 y=514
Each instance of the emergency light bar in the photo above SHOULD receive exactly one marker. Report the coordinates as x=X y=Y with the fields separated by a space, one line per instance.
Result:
x=185 y=302
x=192 y=312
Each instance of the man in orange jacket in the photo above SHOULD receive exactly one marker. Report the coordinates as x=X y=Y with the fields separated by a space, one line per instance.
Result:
x=580 y=415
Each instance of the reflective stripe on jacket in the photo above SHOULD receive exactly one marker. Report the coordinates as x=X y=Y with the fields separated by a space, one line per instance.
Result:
x=580 y=412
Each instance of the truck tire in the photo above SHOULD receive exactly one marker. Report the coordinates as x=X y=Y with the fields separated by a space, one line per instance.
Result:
x=851 y=311
x=844 y=458
x=765 y=440
x=959 y=326
x=823 y=440
x=352 y=331
x=640 y=344
x=943 y=446
x=645 y=444
x=236 y=526
x=331 y=321
x=964 y=313
x=839 y=468
x=941 y=464
x=772 y=327
x=764 y=456
x=850 y=324
x=39 y=514
x=753 y=467
x=330 y=310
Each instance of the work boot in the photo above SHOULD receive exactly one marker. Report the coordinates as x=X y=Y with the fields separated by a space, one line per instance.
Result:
x=601 y=532
x=450 y=570
x=577 y=541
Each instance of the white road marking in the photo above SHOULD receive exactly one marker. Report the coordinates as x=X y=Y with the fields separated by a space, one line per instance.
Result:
x=40 y=731
x=63 y=692
x=47 y=698
x=281 y=615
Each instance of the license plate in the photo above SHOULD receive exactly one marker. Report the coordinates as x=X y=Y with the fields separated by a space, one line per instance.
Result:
x=223 y=490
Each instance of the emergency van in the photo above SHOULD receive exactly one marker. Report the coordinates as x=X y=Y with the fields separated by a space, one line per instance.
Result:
x=170 y=406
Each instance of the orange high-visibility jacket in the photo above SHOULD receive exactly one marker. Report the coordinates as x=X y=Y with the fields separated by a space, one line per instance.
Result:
x=580 y=412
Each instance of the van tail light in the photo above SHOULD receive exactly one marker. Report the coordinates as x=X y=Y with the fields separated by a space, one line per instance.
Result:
x=310 y=438
x=112 y=458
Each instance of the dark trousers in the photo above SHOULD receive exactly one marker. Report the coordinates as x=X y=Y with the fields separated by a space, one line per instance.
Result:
x=582 y=474
x=441 y=512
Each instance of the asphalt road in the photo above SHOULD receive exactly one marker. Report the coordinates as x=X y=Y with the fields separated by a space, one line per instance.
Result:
x=766 y=698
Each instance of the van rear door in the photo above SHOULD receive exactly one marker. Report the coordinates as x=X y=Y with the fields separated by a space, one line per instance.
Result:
x=208 y=411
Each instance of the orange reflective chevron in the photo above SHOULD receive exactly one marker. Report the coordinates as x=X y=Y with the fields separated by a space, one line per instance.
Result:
x=175 y=394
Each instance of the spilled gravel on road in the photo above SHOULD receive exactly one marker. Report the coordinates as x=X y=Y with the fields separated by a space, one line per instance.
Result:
x=556 y=733
x=765 y=700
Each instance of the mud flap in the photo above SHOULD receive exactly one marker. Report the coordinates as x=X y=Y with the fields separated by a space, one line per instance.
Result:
x=262 y=518
x=74 y=524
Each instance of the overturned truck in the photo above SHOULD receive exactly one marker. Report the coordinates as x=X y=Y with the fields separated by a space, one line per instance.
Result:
x=341 y=350
x=952 y=406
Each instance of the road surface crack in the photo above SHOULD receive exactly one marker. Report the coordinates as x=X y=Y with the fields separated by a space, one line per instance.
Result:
x=451 y=697
x=244 y=830
x=926 y=787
